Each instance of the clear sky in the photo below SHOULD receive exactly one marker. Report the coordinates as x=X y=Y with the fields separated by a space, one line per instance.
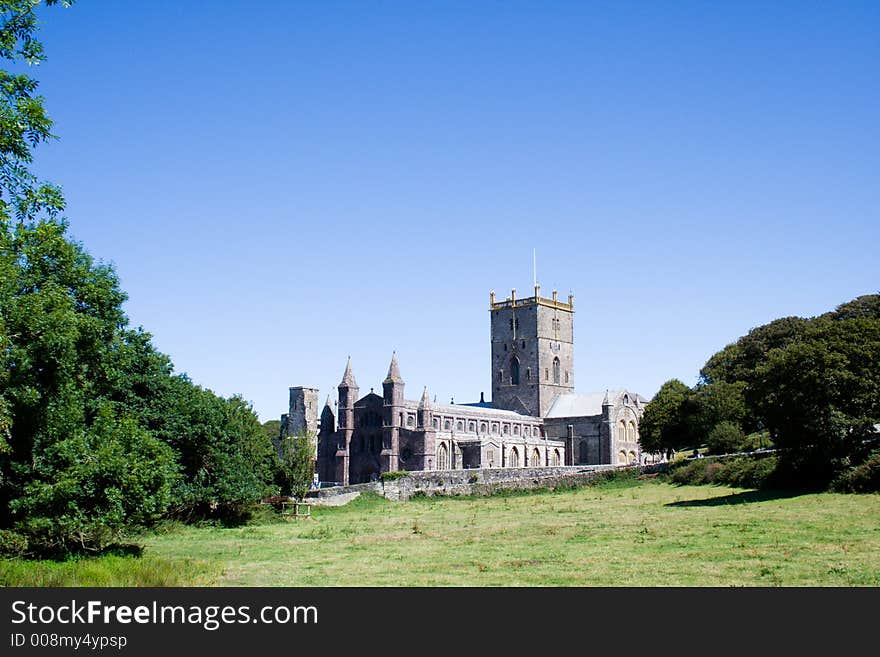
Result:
x=283 y=184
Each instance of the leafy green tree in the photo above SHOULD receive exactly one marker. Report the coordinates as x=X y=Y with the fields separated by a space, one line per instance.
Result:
x=820 y=396
x=663 y=426
x=713 y=403
x=737 y=361
x=296 y=464
x=725 y=437
x=272 y=429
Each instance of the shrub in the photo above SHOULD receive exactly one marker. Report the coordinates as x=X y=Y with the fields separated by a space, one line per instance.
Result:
x=864 y=478
x=725 y=437
x=12 y=544
x=393 y=475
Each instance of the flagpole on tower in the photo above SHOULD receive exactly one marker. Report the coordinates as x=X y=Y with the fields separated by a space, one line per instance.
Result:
x=534 y=268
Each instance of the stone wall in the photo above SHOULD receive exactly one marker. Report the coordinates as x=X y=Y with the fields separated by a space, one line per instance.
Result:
x=478 y=482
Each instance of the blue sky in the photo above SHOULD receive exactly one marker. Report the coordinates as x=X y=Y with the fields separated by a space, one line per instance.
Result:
x=281 y=185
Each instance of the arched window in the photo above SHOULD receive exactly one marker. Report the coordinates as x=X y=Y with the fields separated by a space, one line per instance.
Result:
x=514 y=371
x=621 y=458
x=514 y=458
x=410 y=420
x=555 y=457
x=442 y=457
x=633 y=458
x=447 y=425
x=631 y=432
x=556 y=376
x=459 y=426
x=472 y=427
x=436 y=423
x=536 y=459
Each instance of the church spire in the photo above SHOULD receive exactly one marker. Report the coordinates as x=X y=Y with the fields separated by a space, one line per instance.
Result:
x=425 y=401
x=393 y=371
x=348 y=377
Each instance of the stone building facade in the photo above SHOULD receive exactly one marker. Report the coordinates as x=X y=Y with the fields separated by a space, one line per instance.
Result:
x=535 y=419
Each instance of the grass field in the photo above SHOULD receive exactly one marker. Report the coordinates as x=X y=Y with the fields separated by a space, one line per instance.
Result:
x=631 y=533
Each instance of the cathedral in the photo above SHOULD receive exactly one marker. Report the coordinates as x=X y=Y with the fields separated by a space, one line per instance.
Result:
x=535 y=418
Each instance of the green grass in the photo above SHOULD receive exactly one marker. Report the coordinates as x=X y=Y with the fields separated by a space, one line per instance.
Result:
x=621 y=533
x=108 y=571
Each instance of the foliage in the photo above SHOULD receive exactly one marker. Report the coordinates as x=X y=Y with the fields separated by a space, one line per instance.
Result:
x=12 y=544
x=296 y=464
x=394 y=475
x=863 y=478
x=272 y=428
x=662 y=426
x=820 y=396
x=742 y=472
x=725 y=437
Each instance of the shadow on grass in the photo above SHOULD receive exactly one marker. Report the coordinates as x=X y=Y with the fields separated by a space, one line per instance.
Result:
x=746 y=497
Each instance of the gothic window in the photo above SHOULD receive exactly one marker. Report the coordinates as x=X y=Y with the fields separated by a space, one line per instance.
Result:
x=459 y=426
x=555 y=457
x=483 y=428
x=472 y=427
x=505 y=429
x=490 y=456
x=536 y=458
x=631 y=432
x=447 y=425
x=514 y=371
x=501 y=376
x=514 y=458
x=556 y=370
x=528 y=374
x=621 y=458
x=494 y=428
x=442 y=457
x=621 y=431
x=436 y=423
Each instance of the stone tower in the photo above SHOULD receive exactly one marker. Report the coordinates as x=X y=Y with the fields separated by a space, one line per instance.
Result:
x=392 y=416
x=302 y=413
x=348 y=394
x=532 y=351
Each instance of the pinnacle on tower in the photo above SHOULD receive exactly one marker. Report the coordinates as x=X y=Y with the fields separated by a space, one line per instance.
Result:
x=606 y=401
x=348 y=377
x=425 y=401
x=393 y=371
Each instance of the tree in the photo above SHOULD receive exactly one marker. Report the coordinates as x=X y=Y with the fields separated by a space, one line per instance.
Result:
x=725 y=437
x=662 y=426
x=820 y=396
x=296 y=464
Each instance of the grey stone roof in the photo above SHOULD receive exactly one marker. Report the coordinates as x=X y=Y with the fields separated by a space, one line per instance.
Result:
x=573 y=404
x=348 y=377
x=393 y=371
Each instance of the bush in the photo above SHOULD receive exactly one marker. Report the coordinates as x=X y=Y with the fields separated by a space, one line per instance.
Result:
x=864 y=478
x=393 y=475
x=12 y=544
x=743 y=472
x=725 y=437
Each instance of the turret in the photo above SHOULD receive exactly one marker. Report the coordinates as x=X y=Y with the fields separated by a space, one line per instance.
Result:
x=424 y=412
x=392 y=416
